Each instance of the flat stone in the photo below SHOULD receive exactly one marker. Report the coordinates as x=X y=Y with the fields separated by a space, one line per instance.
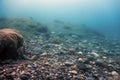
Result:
x=115 y=74
x=68 y=64
x=73 y=72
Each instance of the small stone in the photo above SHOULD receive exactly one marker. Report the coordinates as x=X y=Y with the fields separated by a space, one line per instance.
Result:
x=90 y=78
x=44 y=54
x=46 y=63
x=42 y=68
x=80 y=54
x=2 y=77
x=29 y=66
x=94 y=54
x=82 y=66
x=24 y=77
x=84 y=41
x=68 y=64
x=90 y=58
x=22 y=72
x=9 y=77
x=88 y=66
x=100 y=62
x=34 y=57
x=80 y=60
x=104 y=57
x=73 y=67
x=71 y=51
x=13 y=73
x=92 y=62
x=1 y=72
x=110 y=61
x=73 y=72
x=115 y=74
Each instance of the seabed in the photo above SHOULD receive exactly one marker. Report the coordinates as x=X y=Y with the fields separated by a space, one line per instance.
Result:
x=62 y=51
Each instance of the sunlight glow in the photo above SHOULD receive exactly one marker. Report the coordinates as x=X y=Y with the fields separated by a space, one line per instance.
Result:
x=84 y=9
x=29 y=3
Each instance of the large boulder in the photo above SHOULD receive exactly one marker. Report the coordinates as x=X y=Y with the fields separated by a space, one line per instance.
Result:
x=11 y=44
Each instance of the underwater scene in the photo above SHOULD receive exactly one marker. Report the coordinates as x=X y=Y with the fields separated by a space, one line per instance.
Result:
x=59 y=39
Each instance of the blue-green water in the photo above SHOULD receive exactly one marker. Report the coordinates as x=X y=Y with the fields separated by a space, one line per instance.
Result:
x=63 y=39
x=101 y=15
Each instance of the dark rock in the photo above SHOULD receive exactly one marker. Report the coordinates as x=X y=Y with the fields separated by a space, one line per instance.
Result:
x=9 y=77
x=2 y=77
x=103 y=64
x=1 y=72
x=90 y=78
x=82 y=66
x=96 y=77
x=42 y=29
x=61 y=77
x=24 y=77
x=68 y=64
x=90 y=58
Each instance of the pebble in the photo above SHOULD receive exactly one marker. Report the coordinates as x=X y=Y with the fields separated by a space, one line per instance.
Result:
x=104 y=57
x=71 y=51
x=115 y=74
x=101 y=63
x=1 y=72
x=13 y=73
x=24 y=77
x=90 y=58
x=90 y=78
x=88 y=66
x=68 y=64
x=80 y=54
x=94 y=54
x=80 y=60
x=92 y=62
x=9 y=77
x=73 y=72
x=73 y=67
x=34 y=57
x=44 y=54
x=29 y=66
x=82 y=66
x=46 y=63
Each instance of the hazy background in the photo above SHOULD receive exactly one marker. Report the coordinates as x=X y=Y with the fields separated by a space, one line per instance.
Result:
x=102 y=15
